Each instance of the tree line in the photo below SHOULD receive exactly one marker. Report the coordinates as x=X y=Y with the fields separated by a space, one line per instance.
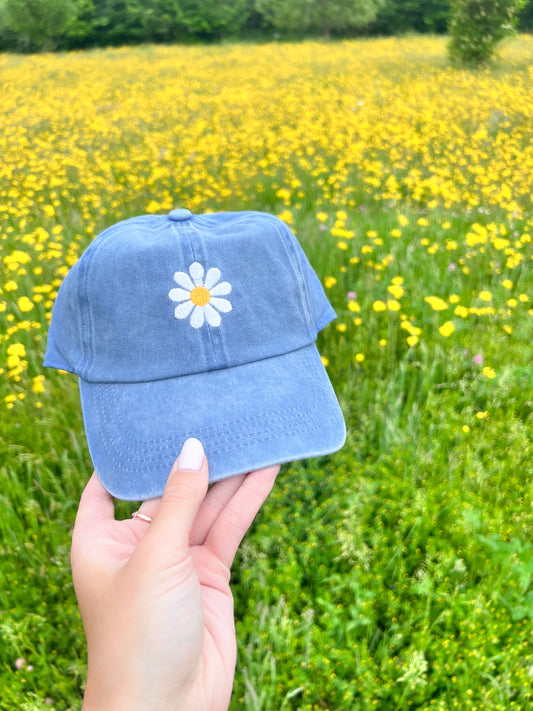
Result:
x=36 y=25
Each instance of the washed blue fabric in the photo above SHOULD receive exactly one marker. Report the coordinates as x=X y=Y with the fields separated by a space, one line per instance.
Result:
x=200 y=326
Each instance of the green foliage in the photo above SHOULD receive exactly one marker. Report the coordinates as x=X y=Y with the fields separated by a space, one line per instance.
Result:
x=399 y=16
x=8 y=38
x=322 y=15
x=162 y=20
x=116 y=22
x=34 y=25
x=83 y=22
x=213 y=17
x=134 y=21
x=38 y=24
x=477 y=28
x=525 y=20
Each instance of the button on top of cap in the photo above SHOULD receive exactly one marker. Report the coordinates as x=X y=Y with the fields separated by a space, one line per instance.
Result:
x=179 y=215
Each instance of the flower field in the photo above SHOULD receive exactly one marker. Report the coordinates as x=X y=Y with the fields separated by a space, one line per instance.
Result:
x=397 y=573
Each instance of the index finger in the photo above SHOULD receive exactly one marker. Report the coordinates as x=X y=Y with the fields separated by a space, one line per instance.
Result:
x=96 y=505
x=236 y=518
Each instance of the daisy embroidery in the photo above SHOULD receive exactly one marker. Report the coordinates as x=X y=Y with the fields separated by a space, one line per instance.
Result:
x=199 y=295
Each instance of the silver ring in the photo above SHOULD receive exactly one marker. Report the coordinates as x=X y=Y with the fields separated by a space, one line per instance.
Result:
x=141 y=516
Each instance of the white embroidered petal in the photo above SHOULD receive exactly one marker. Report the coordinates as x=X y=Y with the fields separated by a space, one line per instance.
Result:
x=197 y=318
x=221 y=304
x=184 y=280
x=212 y=277
x=212 y=316
x=179 y=294
x=197 y=273
x=221 y=289
x=183 y=310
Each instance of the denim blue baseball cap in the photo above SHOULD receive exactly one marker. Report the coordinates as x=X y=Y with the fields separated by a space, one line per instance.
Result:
x=203 y=326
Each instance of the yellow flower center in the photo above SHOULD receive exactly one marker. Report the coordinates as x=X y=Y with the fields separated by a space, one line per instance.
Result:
x=200 y=296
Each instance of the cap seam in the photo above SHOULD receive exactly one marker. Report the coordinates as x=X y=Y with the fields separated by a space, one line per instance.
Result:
x=86 y=323
x=185 y=228
x=277 y=415
x=86 y=318
x=290 y=247
x=209 y=329
x=227 y=448
x=230 y=439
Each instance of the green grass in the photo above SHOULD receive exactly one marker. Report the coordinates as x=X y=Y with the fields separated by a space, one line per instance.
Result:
x=395 y=574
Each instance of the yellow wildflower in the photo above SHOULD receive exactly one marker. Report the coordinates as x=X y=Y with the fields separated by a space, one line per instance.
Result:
x=38 y=384
x=436 y=303
x=24 y=303
x=286 y=216
x=447 y=329
x=396 y=290
x=489 y=372
x=16 y=349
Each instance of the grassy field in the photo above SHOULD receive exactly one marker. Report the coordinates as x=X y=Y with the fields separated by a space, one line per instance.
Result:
x=396 y=574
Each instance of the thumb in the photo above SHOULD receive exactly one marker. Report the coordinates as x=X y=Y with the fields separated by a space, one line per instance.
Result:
x=184 y=492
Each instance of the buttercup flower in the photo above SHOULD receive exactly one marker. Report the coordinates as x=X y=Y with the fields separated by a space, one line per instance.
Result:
x=396 y=290
x=436 y=303
x=199 y=297
x=447 y=329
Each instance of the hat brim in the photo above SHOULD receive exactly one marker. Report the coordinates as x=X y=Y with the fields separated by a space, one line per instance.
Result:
x=247 y=417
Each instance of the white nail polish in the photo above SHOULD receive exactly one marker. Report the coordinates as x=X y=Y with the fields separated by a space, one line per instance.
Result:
x=191 y=456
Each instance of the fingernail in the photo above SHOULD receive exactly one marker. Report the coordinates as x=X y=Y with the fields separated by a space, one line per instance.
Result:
x=191 y=456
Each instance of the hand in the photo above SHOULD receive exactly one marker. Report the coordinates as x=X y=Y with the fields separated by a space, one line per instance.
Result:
x=155 y=597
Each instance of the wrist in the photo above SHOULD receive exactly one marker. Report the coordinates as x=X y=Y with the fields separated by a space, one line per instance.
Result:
x=98 y=699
